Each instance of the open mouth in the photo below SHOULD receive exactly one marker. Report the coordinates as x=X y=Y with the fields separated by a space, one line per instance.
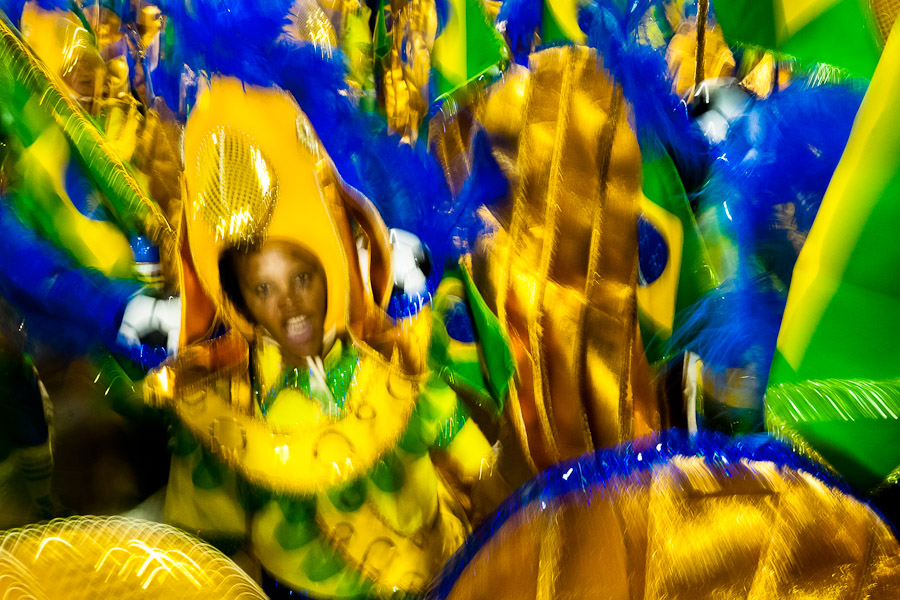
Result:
x=298 y=330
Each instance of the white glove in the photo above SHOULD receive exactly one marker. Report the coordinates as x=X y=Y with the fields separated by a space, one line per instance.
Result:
x=407 y=255
x=145 y=314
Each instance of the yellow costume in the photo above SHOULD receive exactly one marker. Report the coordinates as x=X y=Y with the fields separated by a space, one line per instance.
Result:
x=341 y=479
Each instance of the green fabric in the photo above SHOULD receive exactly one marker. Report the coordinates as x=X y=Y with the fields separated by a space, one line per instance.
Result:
x=477 y=50
x=382 y=40
x=496 y=351
x=834 y=378
x=855 y=338
x=663 y=187
x=864 y=452
x=852 y=424
x=749 y=21
x=844 y=35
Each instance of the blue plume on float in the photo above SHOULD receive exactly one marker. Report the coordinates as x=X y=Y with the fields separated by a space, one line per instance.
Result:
x=600 y=470
x=170 y=74
x=523 y=18
x=734 y=325
x=766 y=183
x=784 y=150
x=228 y=36
x=661 y=118
x=458 y=226
x=402 y=181
x=70 y=306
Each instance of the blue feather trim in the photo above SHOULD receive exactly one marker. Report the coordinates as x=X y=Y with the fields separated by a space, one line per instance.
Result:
x=734 y=326
x=595 y=471
x=784 y=150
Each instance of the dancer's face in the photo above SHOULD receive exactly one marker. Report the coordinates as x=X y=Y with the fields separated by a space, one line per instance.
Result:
x=284 y=288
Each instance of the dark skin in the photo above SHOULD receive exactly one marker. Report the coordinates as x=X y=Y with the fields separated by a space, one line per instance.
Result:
x=284 y=289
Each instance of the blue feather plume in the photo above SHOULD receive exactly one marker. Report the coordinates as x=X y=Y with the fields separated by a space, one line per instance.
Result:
x=230 y=37
x=784 y=150
x=661 y=119
x=522 y=18
x=768 y=178
x=13 y=10
x=68 y=306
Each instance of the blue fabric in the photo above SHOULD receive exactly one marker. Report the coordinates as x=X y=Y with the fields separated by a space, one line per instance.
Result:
x=778 y=157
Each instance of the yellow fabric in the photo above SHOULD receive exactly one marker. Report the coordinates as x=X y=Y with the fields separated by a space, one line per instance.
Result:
x=210 y=513
x=560 y=272
x=689 y=530
x=397 y=539
x=208 y=389
x=761 y=79
x=114 y=557
x=406 y=81
x=565 y=12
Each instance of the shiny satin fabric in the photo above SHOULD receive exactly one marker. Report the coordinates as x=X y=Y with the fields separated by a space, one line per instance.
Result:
x=407 y=67
x=560 y=270
x=688 y=529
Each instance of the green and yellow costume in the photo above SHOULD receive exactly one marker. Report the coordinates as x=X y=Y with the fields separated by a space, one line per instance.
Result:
x=350 y=478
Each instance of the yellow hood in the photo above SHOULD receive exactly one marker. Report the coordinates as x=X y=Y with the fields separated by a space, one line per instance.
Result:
x=255 y=171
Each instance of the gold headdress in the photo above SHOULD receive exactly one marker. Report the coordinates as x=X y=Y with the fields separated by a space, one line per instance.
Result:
x=254 y=171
